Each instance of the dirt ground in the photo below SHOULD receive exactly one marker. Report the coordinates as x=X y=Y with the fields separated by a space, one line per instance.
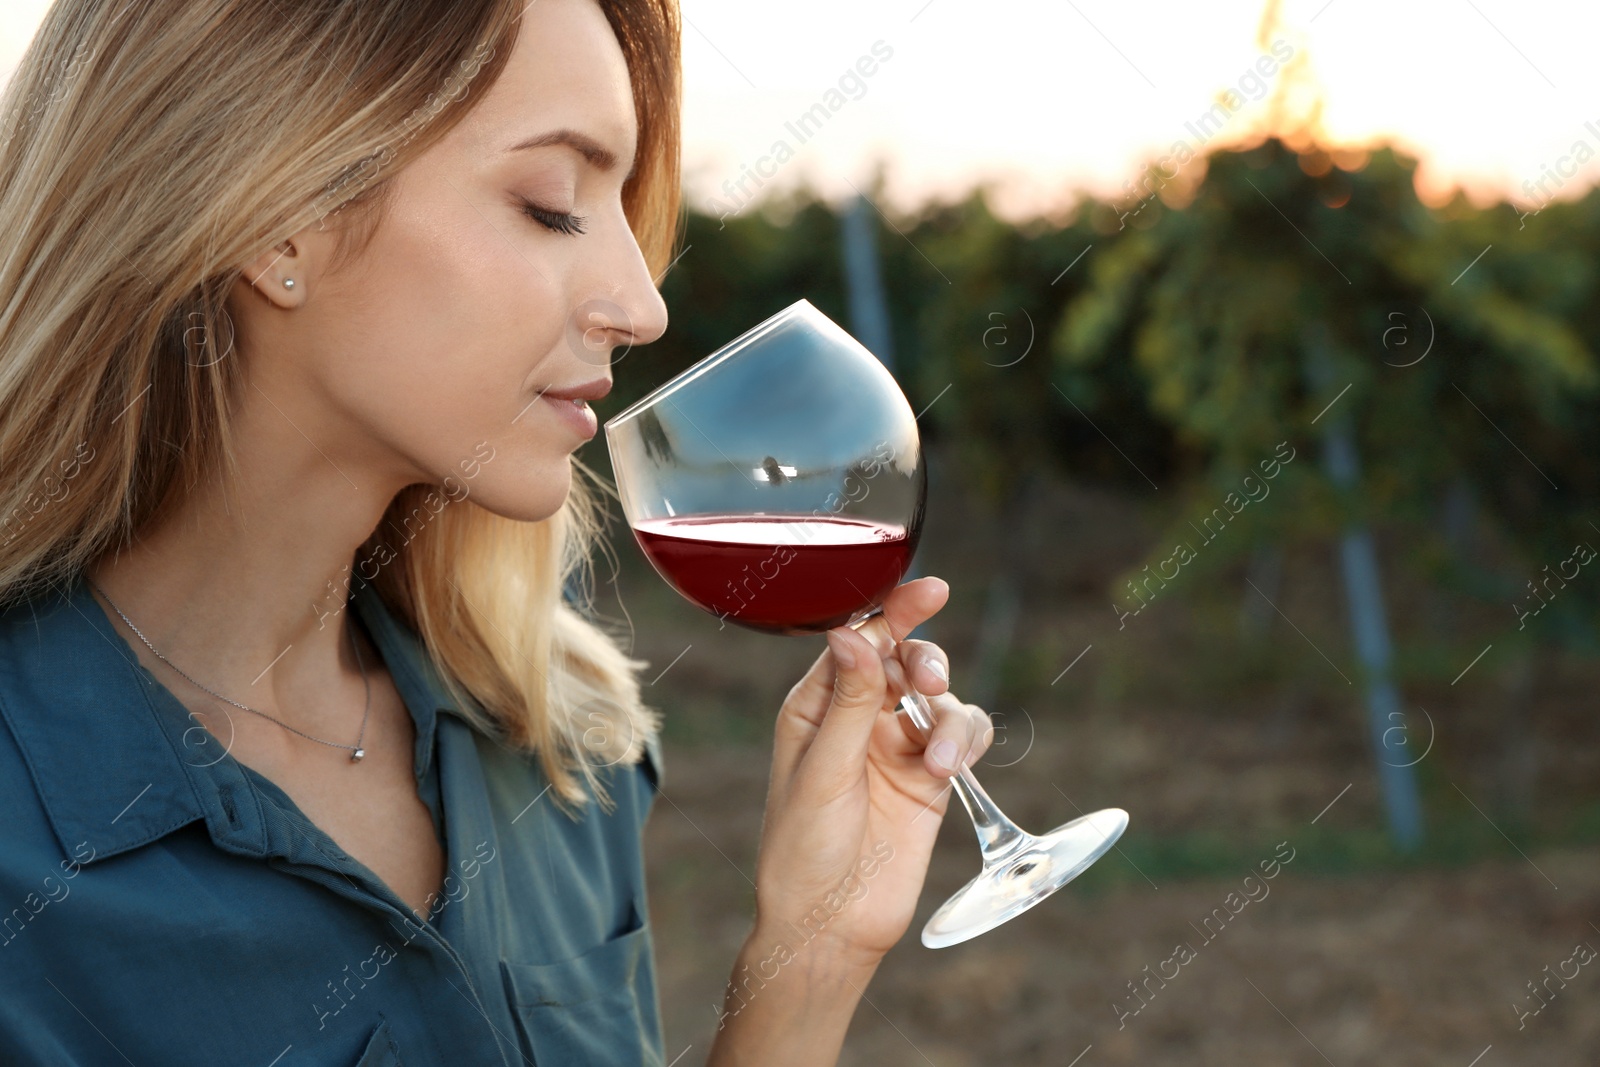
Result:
x=1416 y=967
x=1222 y=742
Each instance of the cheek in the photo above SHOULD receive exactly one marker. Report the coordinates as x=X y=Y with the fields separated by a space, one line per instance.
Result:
x=441 y=332
x=465 y=311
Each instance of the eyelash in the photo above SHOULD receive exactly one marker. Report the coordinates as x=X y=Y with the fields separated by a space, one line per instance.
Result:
x=554 y=220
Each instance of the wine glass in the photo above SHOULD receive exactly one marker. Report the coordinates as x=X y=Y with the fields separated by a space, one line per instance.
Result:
x=778 y=484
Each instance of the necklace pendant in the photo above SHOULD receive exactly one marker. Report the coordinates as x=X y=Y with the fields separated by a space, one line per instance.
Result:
x=355 y=757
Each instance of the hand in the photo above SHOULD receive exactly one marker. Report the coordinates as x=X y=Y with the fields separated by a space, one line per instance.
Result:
x=857 y=793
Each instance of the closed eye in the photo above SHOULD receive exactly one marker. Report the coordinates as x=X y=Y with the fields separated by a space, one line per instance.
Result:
x=560 y=222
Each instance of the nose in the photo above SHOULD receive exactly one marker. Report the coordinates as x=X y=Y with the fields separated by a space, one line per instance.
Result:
x=625 y=305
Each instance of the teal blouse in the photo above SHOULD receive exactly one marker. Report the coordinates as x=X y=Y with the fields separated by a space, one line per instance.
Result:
x=162 y=903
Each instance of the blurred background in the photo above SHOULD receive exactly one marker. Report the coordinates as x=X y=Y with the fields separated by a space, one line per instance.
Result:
x=1124 y=260
x=1303 y=288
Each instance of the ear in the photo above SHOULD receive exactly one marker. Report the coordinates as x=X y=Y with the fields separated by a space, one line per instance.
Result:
x=286 y=273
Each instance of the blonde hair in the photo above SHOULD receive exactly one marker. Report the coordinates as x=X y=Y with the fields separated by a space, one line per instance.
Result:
x=148 y=147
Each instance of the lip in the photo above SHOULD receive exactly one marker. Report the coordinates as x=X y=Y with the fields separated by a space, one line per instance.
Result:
x=593 y=389
x=575 y=412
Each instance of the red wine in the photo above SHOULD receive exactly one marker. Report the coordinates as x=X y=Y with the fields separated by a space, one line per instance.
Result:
x=789 y=574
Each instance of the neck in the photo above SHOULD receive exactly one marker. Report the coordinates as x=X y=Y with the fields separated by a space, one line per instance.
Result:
x=246 y=591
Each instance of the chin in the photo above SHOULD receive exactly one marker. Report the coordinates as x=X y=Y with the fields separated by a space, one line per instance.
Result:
x=534 y=499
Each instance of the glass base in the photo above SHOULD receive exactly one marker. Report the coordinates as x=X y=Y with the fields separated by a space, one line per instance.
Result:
x=1025 y=874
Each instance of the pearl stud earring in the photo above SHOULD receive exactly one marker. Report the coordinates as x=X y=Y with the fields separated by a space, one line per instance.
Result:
x=288 y=283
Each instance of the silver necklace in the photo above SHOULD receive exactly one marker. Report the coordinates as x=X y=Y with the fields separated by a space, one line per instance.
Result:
x=355 y=750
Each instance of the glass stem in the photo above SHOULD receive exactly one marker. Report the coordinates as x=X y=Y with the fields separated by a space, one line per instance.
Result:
x=998 y=836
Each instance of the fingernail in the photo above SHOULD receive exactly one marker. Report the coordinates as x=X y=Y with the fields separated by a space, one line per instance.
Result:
x=938 y=671
x=944 y=754
x=843 y=654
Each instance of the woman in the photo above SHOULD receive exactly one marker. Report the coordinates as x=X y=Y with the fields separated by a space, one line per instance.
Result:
x=302 y=306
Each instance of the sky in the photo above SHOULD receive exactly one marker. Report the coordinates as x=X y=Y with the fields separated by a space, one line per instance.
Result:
x=1044 y=100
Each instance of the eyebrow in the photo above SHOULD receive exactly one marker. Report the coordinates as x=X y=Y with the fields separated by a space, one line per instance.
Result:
x=598 y=155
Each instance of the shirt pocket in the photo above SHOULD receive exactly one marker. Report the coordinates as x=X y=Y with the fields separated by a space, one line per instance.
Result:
x=586 y=1010
x=381 y=1050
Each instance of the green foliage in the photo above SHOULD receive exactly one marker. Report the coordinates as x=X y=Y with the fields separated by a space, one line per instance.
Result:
x=979 y=323
x=1215 y=302
x=1173 y=349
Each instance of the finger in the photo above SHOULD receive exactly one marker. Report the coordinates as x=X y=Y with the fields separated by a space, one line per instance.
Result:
x=799 y=717
x=941 y=705
x=910 y=604
x=906 y=607
x=838 y=754
x=959 y=739
x=927 y=664
x=808 y=698
x=967 y=725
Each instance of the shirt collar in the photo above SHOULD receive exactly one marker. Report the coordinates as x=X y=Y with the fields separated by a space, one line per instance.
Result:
x=116 y=760
x=411 y=667
x=413 y=671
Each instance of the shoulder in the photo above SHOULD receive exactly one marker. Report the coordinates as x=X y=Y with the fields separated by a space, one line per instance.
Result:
x=35 y=867
x=651 y=764
x=34 y=648
x=26 y=830
x=639 y=778
x=86 y=765
x=629 y=784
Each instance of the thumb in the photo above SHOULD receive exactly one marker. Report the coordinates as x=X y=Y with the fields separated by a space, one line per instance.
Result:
x=839 y=753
